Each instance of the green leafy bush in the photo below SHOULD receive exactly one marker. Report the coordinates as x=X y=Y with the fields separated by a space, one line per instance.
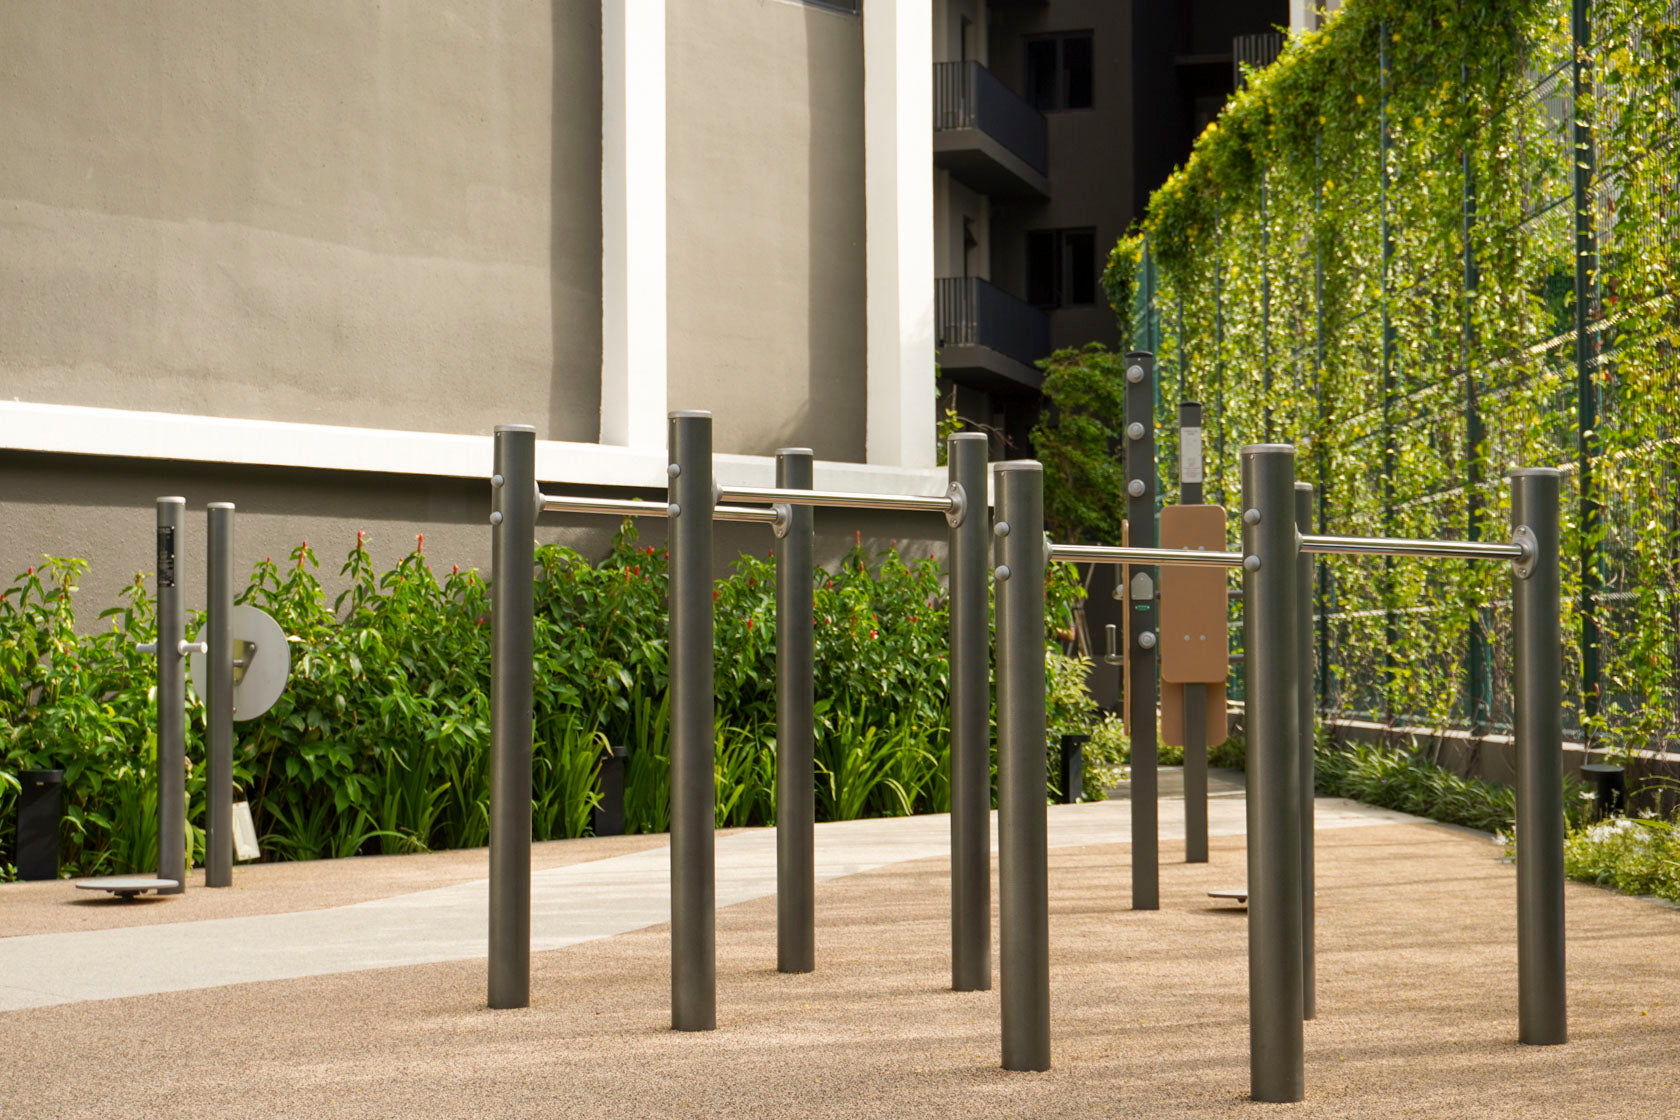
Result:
x=380 y=741
x=1632 y=855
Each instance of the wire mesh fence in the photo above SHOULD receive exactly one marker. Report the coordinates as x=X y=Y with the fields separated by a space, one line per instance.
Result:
x=1472 y=269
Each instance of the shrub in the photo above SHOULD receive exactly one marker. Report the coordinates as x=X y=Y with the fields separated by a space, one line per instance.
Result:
x=380 y=741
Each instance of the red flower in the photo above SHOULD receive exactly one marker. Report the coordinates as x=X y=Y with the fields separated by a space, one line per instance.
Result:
x=454 y=569
x=358 y=538
x=749 y=624
x=637 y=569
x=420 y=542
x=872 y=635
x=715 y=595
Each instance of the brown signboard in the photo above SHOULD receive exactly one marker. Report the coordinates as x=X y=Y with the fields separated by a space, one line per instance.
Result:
x=1194 y=643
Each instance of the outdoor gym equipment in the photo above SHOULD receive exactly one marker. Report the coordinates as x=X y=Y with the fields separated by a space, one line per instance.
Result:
x=694 y=502
x=244 y=660
x=1277 y=643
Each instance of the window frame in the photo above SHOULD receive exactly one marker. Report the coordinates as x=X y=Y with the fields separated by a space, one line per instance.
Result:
x=1060 y=99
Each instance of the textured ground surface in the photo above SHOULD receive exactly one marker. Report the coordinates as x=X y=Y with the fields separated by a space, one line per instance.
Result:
x=283 y=888
x=1417 y=1013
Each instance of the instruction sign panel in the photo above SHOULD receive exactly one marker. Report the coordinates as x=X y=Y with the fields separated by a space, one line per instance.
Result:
x=1195 y=646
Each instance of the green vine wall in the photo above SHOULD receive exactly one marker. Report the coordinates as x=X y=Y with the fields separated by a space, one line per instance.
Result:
x=1413 y=374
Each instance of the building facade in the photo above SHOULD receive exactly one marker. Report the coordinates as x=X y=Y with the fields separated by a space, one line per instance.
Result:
x=304 y=255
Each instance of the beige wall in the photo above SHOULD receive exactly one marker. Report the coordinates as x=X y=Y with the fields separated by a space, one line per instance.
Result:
x=311 y=210
x=766 y=222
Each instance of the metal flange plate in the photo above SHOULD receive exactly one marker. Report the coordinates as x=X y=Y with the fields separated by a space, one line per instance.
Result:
x=261 y=645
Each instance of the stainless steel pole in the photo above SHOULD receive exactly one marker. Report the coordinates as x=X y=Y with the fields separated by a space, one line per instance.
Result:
x=218 y=633
x=171 y=697
x=693 y=798
x=1023 y=852
x=1542 y=1015
x=513 y=510
x=1304 y=599
x=796 y=797
x=1141 y=658
x=1271 y=626
x=1193 y=697
x=971 y=733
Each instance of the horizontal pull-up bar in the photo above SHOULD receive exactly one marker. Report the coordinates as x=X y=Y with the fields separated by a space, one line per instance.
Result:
x=931 y=503
x=1403 y=546
x=625 y=507
x=1177 y=557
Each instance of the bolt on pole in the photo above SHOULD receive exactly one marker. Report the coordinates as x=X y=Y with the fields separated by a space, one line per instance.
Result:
x=1141 y=658
x=693 y=796
x=171 y=697
x=796 y=804
x=971 y=747
x=1271 y=625
x=1536 y=633
x=218 y=634
x=1023 y=854
x=513 y=512
x=1305 y=639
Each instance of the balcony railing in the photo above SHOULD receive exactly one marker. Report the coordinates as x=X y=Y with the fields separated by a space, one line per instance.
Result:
x=969 y=311
x=967 y=95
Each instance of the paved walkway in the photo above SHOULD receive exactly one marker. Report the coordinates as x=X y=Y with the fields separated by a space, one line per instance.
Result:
x=570 y=905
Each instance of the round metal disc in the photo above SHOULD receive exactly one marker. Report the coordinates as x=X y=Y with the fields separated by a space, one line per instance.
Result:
x=261 y=682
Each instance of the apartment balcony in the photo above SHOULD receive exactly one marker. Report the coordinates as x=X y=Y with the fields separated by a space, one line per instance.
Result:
x=987 y=338
x=987 y=137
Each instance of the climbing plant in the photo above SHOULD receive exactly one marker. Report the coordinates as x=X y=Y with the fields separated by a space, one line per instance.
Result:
x=1372 y=253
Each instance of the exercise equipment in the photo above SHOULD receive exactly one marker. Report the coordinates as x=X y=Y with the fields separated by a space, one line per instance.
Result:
x=241 y=664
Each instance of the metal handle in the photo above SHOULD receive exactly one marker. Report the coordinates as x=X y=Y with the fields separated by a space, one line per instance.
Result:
x=184 y=647
x=1112 y=657
x=145 y=647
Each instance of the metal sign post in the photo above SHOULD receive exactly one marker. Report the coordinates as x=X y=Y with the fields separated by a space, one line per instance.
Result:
x=171 y=698
x=1140 y=613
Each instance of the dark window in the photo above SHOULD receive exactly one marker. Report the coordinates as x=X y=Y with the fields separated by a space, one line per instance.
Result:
x=1062 y=267
x=1060 y=71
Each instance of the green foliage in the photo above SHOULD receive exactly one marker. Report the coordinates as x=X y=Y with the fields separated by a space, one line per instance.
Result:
x=1076 y=439
x=1399 y=780
x=1281 y=305
x=381 y=740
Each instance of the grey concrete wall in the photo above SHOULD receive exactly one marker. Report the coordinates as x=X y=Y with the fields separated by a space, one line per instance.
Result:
x=307 y=210
x=766 y=222
x=103 y=510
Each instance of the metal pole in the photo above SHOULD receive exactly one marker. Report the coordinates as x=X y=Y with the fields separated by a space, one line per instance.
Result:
x=1391 y=630
x=171 y=697
x=693 y=796
x=971 y=733
x=1193 y=697
x=1023 y=852
x=796 y=798
x=1271 y=627
x=513 y=512
x=1304 y=636
x=1141 y=657
x=1536 y=634
x=1586 y=393
x=1480 y=657
x=218 y=633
